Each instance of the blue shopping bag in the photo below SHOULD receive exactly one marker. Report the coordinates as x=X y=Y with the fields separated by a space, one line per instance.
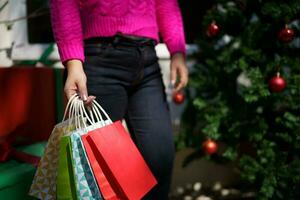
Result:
x=85 y=181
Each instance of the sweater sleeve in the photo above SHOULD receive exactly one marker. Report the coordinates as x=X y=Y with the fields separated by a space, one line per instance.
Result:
x=67 y=29
x=170 y=25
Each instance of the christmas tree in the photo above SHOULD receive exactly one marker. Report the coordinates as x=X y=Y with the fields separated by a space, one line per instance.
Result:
x=244 y=94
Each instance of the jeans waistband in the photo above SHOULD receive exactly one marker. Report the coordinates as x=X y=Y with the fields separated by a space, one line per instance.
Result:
x=122 y=38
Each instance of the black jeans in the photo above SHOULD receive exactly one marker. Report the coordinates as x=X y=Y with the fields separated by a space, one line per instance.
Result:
x=124 y=74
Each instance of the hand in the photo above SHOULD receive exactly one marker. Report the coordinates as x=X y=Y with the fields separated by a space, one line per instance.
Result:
x=76 y=81
x=178 y=68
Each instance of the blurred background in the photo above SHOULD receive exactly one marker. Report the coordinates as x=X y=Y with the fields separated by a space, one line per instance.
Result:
x=236 y=125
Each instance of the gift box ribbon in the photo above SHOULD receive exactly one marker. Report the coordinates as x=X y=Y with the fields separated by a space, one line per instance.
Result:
x=7 y=151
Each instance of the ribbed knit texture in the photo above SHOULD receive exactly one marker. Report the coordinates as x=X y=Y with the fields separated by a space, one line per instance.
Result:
x=75 y=20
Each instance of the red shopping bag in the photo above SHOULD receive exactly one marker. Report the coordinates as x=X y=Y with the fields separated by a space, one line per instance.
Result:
x=120 y=161
x=103 y=184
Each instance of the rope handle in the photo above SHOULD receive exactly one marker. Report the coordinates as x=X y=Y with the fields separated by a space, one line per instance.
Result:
x=77 y=113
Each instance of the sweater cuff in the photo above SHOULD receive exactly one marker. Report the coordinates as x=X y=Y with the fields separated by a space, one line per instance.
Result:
x=177 y=48
x=68 y=51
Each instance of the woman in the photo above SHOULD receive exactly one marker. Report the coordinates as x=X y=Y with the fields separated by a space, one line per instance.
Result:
x=107 y=47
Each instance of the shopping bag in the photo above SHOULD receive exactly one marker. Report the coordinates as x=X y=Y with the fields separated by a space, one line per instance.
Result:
x=86 y=185
x=106 y=190
x=65 y=183
x=120 y=160
x=44 y=182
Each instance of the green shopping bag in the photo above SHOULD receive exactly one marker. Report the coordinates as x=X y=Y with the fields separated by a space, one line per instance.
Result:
x=65 y=183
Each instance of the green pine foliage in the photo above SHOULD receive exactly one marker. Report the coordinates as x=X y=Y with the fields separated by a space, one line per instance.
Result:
x=230 y=102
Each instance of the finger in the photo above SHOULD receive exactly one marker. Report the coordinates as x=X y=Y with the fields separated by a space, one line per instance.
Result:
x=82 y=90
x=89 y=100
x=185 y=75
x=69 y=92
x=179 y=87
x=183 y=80
x=173 y=75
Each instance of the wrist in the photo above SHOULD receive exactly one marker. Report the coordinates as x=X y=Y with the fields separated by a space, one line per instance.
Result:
x=178 y=55
x=74 y=65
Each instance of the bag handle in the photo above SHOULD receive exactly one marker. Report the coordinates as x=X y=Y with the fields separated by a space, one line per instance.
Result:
x=77 y=112
x=94 y=110
x=97 y=113
x=81 y=114
x=97 y=105
x=68 y=105
x=74 y=112
x=78 y=116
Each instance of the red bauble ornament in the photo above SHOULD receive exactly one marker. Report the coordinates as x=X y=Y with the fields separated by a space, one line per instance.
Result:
x=178 y=98
x=286 y=35
x=210 y=146
x=277 y=83
x=212 y=30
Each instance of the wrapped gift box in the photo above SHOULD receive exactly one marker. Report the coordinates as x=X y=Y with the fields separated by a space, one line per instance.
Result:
x=16 y=177
x=31 y=101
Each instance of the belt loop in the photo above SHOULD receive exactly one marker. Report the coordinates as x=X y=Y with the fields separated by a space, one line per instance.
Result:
x=116 y=40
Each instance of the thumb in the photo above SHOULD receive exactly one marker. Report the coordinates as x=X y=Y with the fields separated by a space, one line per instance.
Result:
x=82 y=89
x=70 y=89
x=173 y=75
x=70 y=92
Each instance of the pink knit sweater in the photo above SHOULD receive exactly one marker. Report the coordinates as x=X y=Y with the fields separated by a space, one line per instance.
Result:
x=75 y=20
